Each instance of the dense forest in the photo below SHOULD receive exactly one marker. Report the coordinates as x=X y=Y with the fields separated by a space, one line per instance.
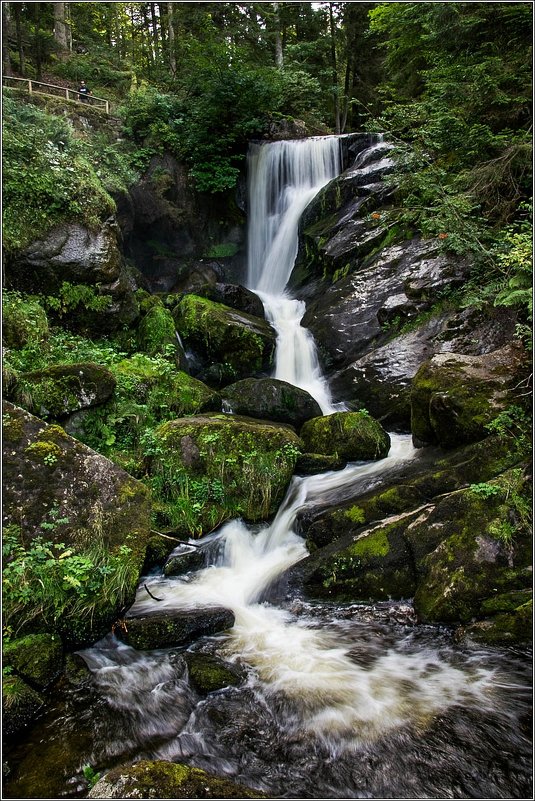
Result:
x=128 y=332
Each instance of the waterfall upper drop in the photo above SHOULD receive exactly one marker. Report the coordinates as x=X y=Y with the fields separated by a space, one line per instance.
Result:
x=283 y=177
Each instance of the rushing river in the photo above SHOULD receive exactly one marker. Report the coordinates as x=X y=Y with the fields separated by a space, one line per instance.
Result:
x=349 y=701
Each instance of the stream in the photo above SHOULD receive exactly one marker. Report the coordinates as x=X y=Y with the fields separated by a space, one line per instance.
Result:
x=339 y=701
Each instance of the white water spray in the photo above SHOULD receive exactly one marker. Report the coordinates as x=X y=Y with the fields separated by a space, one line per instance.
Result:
x=283 y=179
x=330 y=695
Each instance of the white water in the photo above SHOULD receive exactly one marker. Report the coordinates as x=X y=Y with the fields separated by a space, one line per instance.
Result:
x=331 y=696
x=283 y=179
x=308 y=671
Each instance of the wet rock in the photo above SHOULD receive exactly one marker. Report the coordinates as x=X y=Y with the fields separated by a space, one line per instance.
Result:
x=167 y=780
x=219 y=334
x=271 y=399
x=381 y=379
x=37 y=658
x=237 y=465
x=63 y=389
x=20 y=705
x=207 y=674
x=72 y=253
x=310 y=464
x=352 y=436
x=454 y=397
x=480 y=554
x=511 y=627
x=183 y=559
x=57 y=488
x=171 y=628
x=235 y=296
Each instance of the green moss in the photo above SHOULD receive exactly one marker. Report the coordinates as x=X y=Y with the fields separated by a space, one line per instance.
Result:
x=223 y=251
x=348 y=435
x=375 y=544
x=171 y=780
x=356 y=514
x=47 y=452
x=12 y=428
x=208 y=674
x=20 y=704
x=37 y=658
x=156 y=332
x=24 y=321
x=207 y=469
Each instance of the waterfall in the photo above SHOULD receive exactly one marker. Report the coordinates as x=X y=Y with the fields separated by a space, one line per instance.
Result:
x=283 y=177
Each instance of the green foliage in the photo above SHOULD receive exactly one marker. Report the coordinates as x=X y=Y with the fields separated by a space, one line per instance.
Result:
x=46 y=176
x=45 y=581
x=24 y=320
x=513 y=424
x=90 y=775
x=485 y=490
x=71 y=296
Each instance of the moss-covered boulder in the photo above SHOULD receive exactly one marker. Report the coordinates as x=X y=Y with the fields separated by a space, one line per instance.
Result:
x=77 y=532
x=149 y=391
x=352 y=436
x=167 y=780
x=24 y=321
x=62 y=389
x=242 y=344
x=271 y=399
x=207 y=673
x=233 y=295
x=484 y=550
x=310 y=464
x=20 y=704
x=37 y=658
x=208 y=468
x=454 y=397
x=367 y=564
x=156 y=335
x=170 y=628
x=73 y=254
x=510 y=626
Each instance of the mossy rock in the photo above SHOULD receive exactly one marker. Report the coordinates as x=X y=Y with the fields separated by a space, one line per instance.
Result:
x=370 y=564
x=311 y=464
x=209 y=468
x=24 y=321
x=37 y=658
x=235 y=296
x=168 y=629
x=63 y=388
x=454 y=397
x=156 y=335
x=514 y=627
x=475 y=558
x=220 y=334
x=352 y=436
x=20 y=704
x=184 y=559
x=207 y=674
x=59 y=490
x=271 y=399
x=167 y=780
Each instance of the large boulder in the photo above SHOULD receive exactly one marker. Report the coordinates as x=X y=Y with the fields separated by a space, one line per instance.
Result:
x=454 y=396
x=240 y=343
x=233 y=295
x=209 y=468
x=353 y=436
x=271 y=399
x=62 y=389
x=74 y=254
x=92 y=519
x=167 y=780
x=171 y=628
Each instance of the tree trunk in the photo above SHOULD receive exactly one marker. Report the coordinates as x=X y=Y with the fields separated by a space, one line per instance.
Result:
x=171 y=33
x=60 y=27
x=336 y=99
x=38 y=44
x=20 y=47
x=155 y=36
x=68 y=23
x=6 y=60
x=279 y=58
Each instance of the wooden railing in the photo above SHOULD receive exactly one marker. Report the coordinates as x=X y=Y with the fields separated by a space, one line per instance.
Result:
x=38 y=87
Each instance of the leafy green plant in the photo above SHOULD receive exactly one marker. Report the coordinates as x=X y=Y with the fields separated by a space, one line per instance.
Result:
x=90 y=775
x=71 y=296
x=485 y=490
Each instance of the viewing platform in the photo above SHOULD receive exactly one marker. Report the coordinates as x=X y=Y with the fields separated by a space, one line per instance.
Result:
x=38 y=87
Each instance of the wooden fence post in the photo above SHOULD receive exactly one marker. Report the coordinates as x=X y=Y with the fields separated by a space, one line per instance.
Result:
x=30 y=87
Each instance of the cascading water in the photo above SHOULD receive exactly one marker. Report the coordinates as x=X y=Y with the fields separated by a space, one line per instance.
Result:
x=283 y=179
x=339 y=701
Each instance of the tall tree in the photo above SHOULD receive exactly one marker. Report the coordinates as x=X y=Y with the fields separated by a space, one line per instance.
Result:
x=171 y=36
x=334 y=68
x=6 y=25
x=60 y=26
x=279 y=58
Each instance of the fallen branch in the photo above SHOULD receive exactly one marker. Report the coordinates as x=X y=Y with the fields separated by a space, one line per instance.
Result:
x=151 y=595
